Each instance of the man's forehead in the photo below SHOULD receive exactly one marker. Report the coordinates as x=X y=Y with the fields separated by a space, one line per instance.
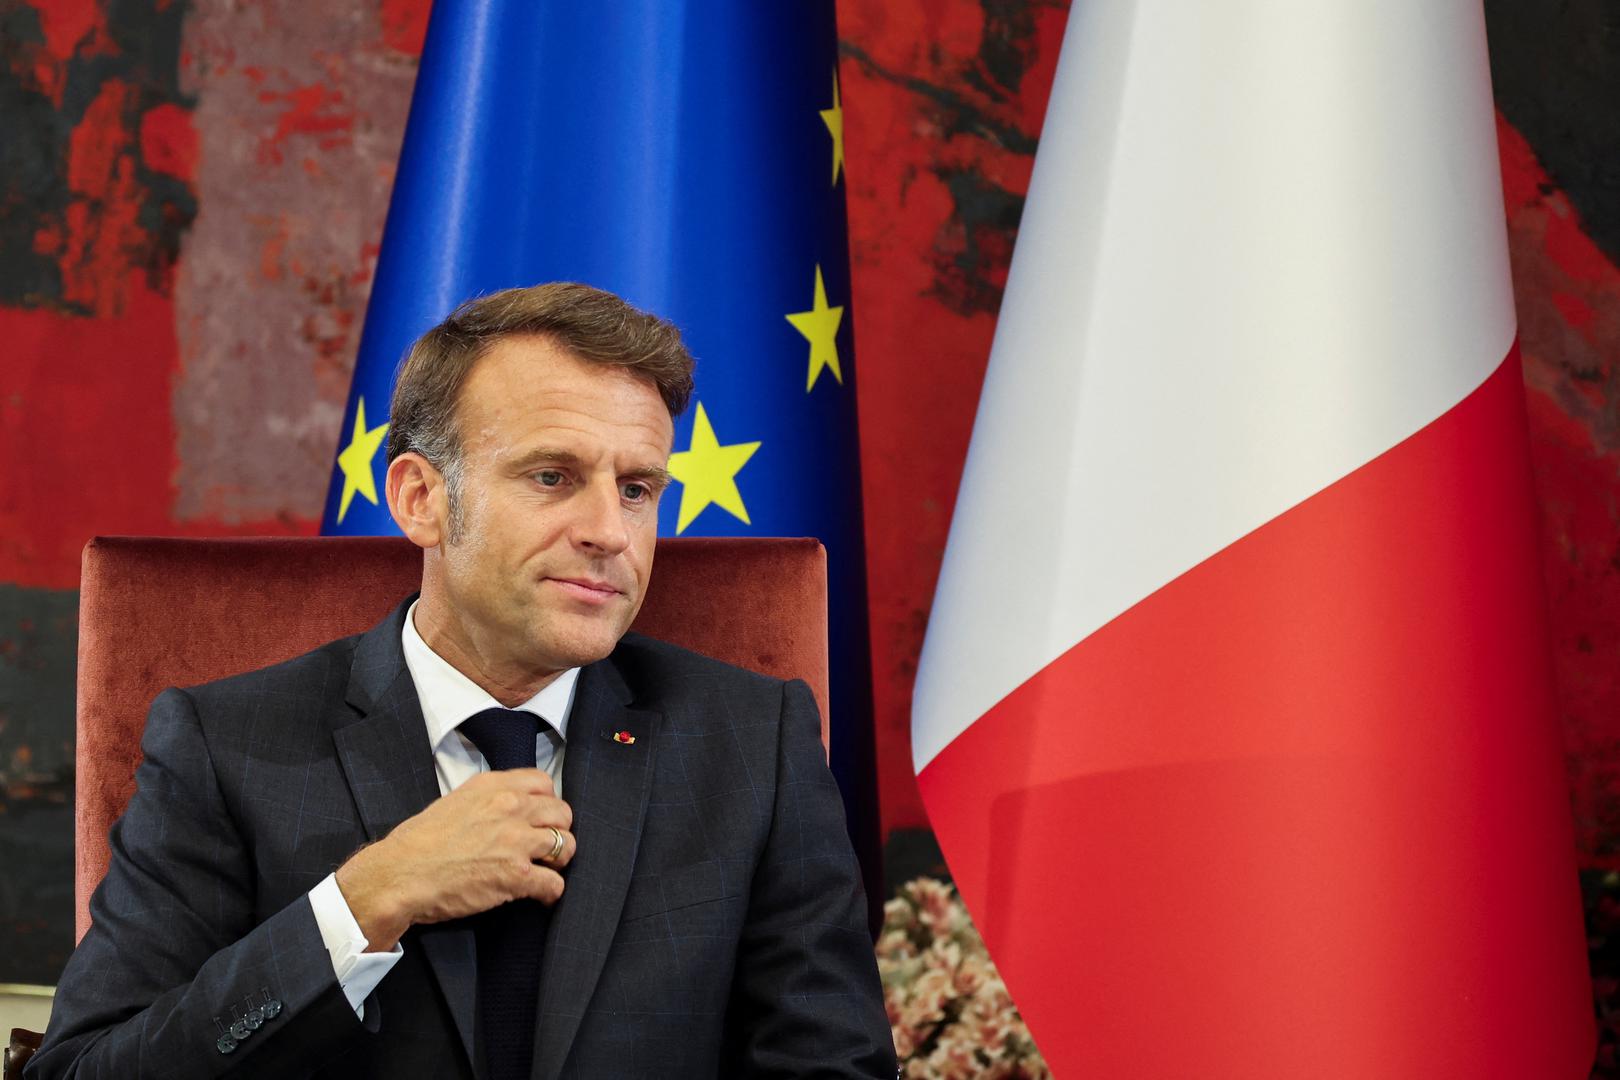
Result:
x=544 y=397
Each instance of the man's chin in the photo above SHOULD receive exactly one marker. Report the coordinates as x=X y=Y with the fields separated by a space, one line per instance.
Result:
x=585 y=645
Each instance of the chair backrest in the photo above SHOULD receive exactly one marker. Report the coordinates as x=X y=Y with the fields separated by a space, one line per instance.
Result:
x=155 y=613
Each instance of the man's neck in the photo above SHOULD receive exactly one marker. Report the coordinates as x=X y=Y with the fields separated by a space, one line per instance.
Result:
x=509 y=684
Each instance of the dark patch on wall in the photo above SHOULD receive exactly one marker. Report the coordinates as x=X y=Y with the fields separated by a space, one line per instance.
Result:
x=39 y=636
x=909 y=854
x=973 y=253
x=95 y=166
x=28 y=165
x=1007 y=47
x=36 y=891
x=1556 y=70
x=958 y=114
x=38 y=648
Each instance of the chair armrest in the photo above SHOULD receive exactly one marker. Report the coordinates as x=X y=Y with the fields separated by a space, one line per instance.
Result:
x=21 y=1048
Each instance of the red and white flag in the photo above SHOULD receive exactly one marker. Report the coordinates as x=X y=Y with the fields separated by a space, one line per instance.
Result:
x=1234 y=717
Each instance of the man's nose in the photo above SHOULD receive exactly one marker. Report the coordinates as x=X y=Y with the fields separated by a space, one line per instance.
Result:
x=600 y=523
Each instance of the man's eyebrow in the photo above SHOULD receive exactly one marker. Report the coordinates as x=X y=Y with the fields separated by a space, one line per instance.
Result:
x=546 y=455
x=651 y=475
x=542 y=455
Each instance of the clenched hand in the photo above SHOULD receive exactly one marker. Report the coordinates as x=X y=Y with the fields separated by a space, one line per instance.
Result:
x=485 y=843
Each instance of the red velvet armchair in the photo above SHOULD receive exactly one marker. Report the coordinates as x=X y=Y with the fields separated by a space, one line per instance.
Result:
x=165 y=612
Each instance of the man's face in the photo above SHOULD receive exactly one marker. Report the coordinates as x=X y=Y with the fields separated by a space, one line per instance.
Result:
x=563 y=462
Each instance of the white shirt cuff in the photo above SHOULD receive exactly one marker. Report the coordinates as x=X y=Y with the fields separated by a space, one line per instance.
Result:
x=357 y=971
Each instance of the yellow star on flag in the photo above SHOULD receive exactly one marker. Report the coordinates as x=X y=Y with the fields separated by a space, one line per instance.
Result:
x=708 y=473
x=355 y=461
x=819 y=325
x=834 y=119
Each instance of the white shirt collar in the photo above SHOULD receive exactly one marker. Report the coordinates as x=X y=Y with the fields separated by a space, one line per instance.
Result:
x=448 y=697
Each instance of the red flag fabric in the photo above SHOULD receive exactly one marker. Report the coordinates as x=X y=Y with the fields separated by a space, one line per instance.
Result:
x=1234 y=717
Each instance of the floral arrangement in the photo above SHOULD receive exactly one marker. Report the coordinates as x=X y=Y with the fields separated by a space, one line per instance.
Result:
x=950 y=1012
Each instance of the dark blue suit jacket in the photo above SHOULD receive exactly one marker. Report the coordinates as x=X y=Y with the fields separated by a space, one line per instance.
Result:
x=713 y=922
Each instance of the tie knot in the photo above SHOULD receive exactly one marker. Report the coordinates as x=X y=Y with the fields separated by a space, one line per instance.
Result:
x=506 y=737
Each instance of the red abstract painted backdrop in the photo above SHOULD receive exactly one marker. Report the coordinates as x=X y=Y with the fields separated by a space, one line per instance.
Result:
x=191 y=197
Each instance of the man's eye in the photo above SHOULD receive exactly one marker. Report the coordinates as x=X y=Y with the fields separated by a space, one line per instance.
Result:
x=548 y=477
x=635 y=492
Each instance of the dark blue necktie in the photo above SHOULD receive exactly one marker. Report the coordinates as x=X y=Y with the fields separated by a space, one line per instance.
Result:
x=510 y=937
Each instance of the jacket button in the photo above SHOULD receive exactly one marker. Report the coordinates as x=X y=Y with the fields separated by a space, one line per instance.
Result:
x=239 y=1030
x=272 y=1009
x=225 y=1044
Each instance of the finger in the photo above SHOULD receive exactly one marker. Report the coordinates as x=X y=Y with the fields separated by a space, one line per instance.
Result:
x=543 y=884
x=521 y=782
x=543 y=810
x=526 y=781
x=545 y=842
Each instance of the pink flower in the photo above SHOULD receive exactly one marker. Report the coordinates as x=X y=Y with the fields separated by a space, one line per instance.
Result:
x=949 y=1011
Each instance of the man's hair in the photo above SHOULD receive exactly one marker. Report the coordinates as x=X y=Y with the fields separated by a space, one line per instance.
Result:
x=594 y=325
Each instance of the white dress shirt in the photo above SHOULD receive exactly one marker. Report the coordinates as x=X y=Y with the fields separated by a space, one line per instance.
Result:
x=448 y=697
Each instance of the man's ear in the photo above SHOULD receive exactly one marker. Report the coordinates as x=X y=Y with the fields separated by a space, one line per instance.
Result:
x=417 y=499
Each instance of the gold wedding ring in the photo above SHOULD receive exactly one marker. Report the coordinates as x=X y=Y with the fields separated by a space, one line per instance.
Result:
x=557 y=847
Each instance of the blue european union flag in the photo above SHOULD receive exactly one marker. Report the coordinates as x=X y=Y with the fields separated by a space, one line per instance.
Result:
x=689 y=157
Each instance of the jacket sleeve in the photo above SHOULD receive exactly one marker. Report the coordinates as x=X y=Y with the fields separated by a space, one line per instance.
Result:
x=175 y=955
x=806 y=1001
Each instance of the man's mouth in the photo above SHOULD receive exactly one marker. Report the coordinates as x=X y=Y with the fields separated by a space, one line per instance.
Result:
x=590 y=590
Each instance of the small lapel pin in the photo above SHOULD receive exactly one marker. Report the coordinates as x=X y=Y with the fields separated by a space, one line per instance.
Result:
x=623 y=737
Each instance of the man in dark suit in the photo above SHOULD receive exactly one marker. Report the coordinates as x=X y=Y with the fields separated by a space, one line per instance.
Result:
x=495 y=836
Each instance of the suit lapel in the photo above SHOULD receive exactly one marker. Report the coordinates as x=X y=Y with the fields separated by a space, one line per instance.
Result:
x=606 y=782
x=385 y=755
